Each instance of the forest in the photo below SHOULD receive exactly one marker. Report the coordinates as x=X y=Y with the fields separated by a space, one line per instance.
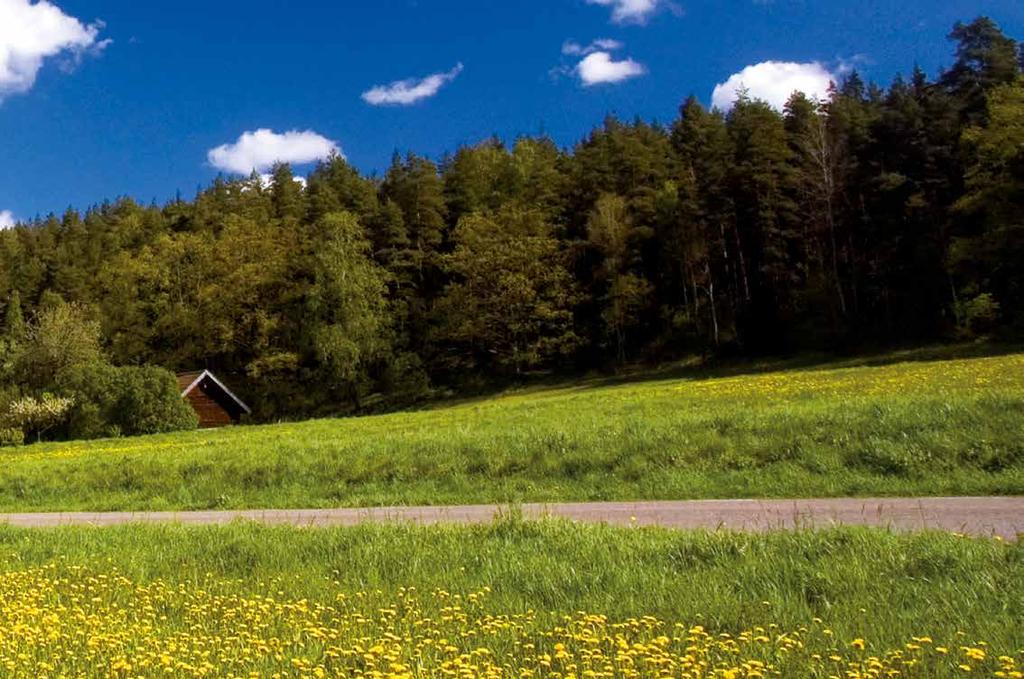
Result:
x=881 y=216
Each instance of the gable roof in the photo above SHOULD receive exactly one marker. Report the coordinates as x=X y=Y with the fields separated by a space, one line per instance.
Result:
x=190 y=380
x=186 y=380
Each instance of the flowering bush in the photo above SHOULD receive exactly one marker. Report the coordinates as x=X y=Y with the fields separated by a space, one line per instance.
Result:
x=37 y=415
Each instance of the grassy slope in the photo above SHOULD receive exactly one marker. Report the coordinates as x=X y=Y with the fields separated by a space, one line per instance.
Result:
x=910 y=428
x=907 y=585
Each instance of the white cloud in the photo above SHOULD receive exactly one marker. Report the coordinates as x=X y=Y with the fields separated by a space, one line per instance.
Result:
x=574 y=49
x=267 y=180
x=7 y=219
x=599 y=68
x=259 y=150
x=411 y=90
x=629 y=11
x=31 y=32
x=774 y=82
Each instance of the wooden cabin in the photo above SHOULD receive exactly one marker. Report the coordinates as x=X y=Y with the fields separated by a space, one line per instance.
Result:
x=215 y=404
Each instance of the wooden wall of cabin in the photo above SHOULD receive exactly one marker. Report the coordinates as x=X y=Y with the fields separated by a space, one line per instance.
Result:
x=211 y=414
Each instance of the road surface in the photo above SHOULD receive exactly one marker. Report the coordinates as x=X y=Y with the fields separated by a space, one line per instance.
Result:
x=990 y=516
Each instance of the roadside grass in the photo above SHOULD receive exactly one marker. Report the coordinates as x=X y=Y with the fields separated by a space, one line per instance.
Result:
x=852 y=428
x=99 y=596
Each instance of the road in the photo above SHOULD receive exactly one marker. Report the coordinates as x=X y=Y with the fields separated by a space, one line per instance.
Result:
x=990 y=516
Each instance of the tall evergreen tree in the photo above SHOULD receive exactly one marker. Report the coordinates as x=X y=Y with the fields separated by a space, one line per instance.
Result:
x=762 y=182
x=985 y=59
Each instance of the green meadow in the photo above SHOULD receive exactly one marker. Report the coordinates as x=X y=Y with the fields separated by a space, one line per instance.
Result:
x=916 y=423
x=257 y=597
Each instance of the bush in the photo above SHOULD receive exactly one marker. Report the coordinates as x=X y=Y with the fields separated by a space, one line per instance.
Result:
x=37 y=415
x=129 y=401
x=977 y=314
x=11 y=436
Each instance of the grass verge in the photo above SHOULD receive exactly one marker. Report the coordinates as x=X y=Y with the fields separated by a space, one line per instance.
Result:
x=411 y=601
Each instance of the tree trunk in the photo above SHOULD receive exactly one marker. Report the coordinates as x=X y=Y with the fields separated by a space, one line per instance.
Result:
x=714 y=311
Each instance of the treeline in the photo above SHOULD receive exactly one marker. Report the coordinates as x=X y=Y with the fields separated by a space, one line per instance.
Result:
x=877 y=216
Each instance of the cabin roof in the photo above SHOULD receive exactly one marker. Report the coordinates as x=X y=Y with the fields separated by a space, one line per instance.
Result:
x=188 y=381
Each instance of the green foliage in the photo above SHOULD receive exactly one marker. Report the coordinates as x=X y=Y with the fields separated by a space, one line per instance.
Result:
x=977 y=314
x=626 y=295
x=348 y=309
x=509 y=305
x=60 y=337
x=989 y=257
x=129 y=401
x=417 y=190
x=985 y=59
x=11 y=436
x=14 y=328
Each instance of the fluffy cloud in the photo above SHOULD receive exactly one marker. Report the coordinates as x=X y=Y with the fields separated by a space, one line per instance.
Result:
x=629 y=11
x=7 y=219
x=411 y=90
x=260 y=149
x=599 y=67
x=774 y=82
x=33 y=32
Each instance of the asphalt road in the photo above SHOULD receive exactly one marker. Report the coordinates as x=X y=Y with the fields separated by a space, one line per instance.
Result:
x=990 y=516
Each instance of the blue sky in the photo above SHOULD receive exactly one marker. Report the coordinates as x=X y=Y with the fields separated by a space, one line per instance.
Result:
x=131 y=97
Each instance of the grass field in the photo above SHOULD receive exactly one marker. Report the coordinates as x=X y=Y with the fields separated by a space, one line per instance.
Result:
x=896 y=425
x=547 y=599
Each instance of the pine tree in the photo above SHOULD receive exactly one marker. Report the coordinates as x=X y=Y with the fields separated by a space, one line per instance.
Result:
x=717 y=267
x=286 y=195
x=985 y=58
x=336 y=186
x=416 y=188
x=762 y=181
x=14 y=319
x=478 y=178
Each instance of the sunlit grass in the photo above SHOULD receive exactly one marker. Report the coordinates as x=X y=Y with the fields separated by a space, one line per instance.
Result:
x=514 y=599
x=905 y=428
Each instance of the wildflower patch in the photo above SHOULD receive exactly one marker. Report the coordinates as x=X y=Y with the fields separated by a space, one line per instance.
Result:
x=59 y=620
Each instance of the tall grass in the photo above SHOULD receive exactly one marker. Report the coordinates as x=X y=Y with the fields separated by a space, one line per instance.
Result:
x=906 y=428
x=862 y=582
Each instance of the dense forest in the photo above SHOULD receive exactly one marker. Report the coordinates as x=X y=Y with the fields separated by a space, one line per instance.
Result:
x=880 y=216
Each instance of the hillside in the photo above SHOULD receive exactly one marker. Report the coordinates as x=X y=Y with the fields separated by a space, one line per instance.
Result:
x=885 y=426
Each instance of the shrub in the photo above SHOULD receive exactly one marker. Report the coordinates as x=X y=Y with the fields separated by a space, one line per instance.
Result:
x=11 y=436
x=977 y=314
x=127 y=401
x=37 y=415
